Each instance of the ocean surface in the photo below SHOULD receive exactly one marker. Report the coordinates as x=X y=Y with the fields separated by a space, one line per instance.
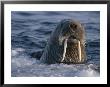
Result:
x=30 y=31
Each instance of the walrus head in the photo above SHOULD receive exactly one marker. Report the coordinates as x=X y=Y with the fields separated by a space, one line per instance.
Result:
x=71 y=30
x=66 y=44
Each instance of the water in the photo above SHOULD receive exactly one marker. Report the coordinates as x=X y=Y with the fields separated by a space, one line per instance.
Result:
x=29 y=35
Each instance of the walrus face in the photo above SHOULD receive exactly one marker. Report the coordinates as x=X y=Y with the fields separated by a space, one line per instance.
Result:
x=72 y=37
x=71 y=30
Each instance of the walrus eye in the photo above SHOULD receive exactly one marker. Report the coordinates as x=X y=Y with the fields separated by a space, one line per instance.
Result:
x=73 y=26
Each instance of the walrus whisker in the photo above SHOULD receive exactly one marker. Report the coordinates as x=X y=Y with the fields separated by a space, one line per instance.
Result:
x=64 y=52
x=79 y=50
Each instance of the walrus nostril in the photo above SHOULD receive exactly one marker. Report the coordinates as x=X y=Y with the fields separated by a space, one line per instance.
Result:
x=73 y=26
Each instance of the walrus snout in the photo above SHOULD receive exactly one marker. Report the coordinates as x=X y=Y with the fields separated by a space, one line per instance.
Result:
x=73 y=26
x=68 y=29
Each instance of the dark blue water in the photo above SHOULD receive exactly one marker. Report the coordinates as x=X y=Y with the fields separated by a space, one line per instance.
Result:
x=30 y=32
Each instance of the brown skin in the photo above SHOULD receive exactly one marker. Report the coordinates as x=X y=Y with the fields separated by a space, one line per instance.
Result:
x=74 y=32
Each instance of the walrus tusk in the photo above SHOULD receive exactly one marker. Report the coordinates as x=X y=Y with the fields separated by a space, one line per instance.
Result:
x=64 y=52
x=79 y=50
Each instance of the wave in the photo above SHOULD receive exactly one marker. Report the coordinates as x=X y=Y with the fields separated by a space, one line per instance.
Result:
x=24 y=66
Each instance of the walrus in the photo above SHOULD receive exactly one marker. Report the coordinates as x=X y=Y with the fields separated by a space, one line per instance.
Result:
x=66 y=44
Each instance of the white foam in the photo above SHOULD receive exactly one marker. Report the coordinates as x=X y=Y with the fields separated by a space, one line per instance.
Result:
x=14 y=52
x=21 y=62
x=23 y=65
x=87 y=73
x=28 y=67
x=20 y=49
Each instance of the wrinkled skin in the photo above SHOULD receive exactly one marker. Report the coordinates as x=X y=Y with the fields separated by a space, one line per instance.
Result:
x=71 y=30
